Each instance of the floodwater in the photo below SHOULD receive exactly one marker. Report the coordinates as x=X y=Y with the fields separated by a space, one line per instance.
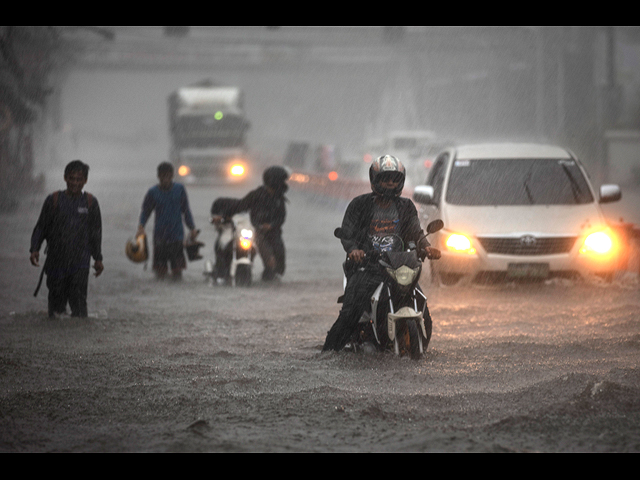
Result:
x=189 y=367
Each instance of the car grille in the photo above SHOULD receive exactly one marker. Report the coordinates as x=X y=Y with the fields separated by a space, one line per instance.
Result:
x=527 y=245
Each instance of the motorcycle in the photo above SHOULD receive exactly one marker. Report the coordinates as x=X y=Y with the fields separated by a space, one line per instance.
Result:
x=234 y=251
x=398 y=318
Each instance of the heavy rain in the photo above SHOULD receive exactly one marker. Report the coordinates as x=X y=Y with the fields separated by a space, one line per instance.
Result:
x=513 y=364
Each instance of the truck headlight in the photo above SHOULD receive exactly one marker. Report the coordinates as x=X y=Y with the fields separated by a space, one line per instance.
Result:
x=237 y=170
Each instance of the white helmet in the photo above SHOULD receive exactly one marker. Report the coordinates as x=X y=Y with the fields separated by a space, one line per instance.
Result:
x=384 y=167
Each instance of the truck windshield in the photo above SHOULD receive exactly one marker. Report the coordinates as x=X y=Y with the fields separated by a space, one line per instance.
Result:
x=204 y=131
x=517 y=182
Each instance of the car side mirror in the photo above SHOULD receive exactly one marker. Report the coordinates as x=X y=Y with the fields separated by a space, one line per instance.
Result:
x=610 y=193
x=423 y=194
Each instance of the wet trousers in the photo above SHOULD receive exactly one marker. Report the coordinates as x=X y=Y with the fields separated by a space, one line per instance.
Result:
x=357 y=295
x=71 y=289
x=272 y=251
x=165 y=254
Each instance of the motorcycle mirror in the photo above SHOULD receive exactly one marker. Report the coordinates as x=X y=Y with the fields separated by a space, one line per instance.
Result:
x=338 y=232
x=435 y=226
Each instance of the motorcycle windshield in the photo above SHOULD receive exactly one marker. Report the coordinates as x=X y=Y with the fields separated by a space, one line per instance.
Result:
x=397 y=259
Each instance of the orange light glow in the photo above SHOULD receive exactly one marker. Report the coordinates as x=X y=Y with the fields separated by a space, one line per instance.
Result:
x=183 y=170
x=333 y=176
x=599 y=243
x=237 y=170
x=299 y=177
x=245 y=243
x=459 y=243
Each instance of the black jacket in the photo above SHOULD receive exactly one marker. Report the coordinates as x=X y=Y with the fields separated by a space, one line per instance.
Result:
x=72 y=228
x=263 y=208
x=357 y=219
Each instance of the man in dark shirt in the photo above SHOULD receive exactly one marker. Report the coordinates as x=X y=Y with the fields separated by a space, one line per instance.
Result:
x=71 y=223
x=368 y=220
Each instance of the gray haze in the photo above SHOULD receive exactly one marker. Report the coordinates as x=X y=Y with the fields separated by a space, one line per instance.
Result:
x=196 y=367
x=342 y=86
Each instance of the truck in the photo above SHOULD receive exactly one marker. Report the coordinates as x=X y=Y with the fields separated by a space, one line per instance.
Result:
x=208 y=127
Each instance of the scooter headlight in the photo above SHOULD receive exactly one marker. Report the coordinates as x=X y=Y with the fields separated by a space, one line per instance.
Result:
x=404 y=275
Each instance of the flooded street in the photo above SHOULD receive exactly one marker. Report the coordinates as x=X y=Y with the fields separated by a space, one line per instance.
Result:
x=188 y=367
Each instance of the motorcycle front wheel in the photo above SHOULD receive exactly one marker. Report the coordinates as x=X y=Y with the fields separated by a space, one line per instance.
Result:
x=408 y=340
x=243 y=275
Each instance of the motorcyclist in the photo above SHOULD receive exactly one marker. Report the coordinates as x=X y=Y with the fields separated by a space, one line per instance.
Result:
x=267 y=212
x=367 y=220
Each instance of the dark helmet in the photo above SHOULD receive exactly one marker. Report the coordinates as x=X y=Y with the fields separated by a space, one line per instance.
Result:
x=382 y=168
x=276 y=177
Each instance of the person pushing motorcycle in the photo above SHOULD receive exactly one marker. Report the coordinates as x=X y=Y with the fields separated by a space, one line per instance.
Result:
x=367 y=220
x=267 y=211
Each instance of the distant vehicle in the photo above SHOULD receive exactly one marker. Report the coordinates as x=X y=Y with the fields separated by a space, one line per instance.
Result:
x=416 y=149
x=408 y=145
x=517 y=211
x=208 y=129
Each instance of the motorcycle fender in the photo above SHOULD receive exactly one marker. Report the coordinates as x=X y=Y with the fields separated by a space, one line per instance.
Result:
x=375 y=298
x=404 y=313
x=243 y=261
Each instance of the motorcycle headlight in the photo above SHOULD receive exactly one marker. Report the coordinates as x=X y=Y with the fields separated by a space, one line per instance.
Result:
x=245 y=243
x=246 y=233
x=403 y=275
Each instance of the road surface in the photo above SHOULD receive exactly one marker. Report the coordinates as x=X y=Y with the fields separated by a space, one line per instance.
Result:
x=164 y=367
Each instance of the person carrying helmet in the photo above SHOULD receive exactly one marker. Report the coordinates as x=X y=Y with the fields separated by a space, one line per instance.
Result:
x=170 y=202
x=71 y=223
x=267 y=212
x=368 y=218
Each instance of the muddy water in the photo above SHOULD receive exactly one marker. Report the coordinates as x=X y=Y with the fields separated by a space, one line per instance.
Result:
x=163 y=367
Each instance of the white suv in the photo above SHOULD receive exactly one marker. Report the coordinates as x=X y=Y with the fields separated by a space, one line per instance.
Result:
x=516 y=210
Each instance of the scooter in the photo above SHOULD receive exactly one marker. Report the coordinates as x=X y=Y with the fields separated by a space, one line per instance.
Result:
x=234 y=251
x=398 y=318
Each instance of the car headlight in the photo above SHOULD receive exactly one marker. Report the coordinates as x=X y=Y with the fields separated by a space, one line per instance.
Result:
x=404 y=275
x=598 y=243
x=456 y=242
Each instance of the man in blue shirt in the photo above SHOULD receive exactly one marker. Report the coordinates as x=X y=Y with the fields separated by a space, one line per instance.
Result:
x=71 y=224
x=170 y=202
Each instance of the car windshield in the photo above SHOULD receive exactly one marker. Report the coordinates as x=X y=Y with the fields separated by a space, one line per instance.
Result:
x=517 y=182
